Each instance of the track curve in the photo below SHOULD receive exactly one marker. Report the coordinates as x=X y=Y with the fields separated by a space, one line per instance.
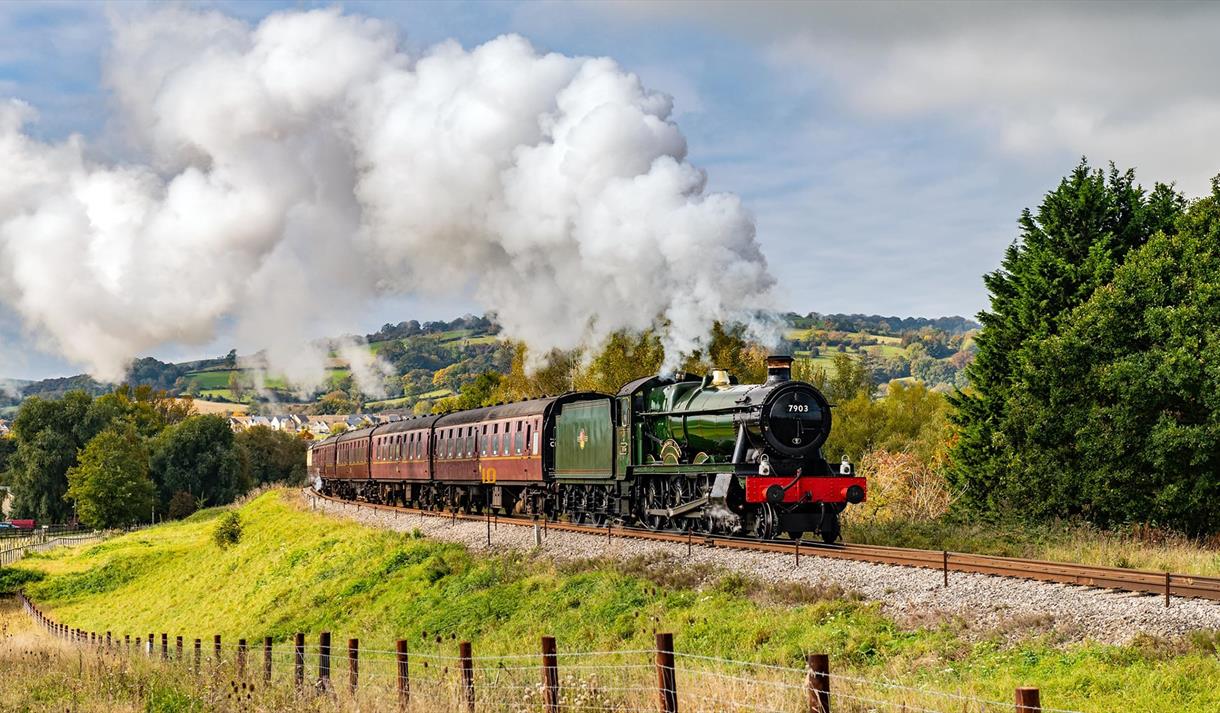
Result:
x=1114 y=578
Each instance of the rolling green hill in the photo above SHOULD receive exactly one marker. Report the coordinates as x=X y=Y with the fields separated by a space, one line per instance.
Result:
x=413 y=353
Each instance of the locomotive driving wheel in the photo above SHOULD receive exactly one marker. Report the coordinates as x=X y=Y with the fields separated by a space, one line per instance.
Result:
x=654 y=499
x=766 y=522
x=679 y=493
x=598 y=504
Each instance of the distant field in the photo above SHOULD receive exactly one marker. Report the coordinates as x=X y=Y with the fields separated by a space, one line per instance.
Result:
x=208 y=407
x=389 y=403
x=822 y=360
x=216 y=382
x=806 y=334
x=210 y=379
x=224 y=394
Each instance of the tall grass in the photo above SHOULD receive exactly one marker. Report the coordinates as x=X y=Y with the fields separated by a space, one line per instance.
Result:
x=909 y=505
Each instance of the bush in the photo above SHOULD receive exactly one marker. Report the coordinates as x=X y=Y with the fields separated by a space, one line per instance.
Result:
x=181 y=505
x=228 y=530
x=12 y=579
x=901 y=487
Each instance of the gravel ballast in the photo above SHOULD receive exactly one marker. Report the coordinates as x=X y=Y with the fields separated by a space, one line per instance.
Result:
x=976 y=602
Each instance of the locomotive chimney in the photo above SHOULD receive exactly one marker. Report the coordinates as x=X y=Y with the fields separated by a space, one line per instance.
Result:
x=779 y=368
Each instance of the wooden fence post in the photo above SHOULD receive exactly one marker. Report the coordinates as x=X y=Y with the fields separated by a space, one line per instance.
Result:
x=467 y=674
x=667 y=687
x=550 y=675
x=198 y=654
x=298 y=644
x=216 y=648
x=152 y=645
x=127 y=641
x=178 y=648
x=404 y=683
x=241 y=659
x=324 y=659
x=137 y=644
x=108 y=639
x=164 y=647
x=817 y=682
x=267 y=659
x=353 y=665
x=1028 y=701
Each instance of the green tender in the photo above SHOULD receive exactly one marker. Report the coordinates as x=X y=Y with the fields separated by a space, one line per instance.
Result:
x=584 y=441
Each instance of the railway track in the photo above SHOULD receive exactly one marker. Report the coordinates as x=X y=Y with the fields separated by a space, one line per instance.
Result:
x=1114 y=578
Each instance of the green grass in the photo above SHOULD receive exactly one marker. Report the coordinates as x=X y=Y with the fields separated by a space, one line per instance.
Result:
x=389 y=403
x=222 y=394
x=295 y=570
x=211 y=379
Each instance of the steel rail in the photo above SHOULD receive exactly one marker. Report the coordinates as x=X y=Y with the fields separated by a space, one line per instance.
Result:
x=1168 y=584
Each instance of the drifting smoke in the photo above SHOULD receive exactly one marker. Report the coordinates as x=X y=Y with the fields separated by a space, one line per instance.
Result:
x=293 y=172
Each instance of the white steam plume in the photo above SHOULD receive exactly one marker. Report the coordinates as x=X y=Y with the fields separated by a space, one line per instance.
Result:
x=294 y=171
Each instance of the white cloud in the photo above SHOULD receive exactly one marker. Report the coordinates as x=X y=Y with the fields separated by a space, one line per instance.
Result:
x=1133 y=83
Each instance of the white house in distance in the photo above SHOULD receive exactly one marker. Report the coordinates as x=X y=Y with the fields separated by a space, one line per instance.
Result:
x=318 y=426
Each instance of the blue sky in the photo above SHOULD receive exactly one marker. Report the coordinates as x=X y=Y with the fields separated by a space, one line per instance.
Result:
x=885 y=151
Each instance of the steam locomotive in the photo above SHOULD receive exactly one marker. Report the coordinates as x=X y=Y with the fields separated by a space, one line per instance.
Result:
x=676 y=453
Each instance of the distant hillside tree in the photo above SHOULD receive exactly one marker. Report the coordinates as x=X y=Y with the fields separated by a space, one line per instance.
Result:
x=336 y=402
x=182 y=505
x=1066 y=250
x=728 y=349
x=48 y=433
x=624 y=357
x=270 y=456
x=110 y=486
x=198 y=456
x=551 y=376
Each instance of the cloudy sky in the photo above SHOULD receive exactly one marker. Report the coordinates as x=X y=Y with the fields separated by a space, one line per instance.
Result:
x=885 y=150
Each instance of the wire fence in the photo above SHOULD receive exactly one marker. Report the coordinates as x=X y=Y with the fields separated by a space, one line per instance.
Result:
x=15 y=549
x=358 y=676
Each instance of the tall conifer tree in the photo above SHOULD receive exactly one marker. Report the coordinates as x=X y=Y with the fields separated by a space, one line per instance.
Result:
x=1072 y=245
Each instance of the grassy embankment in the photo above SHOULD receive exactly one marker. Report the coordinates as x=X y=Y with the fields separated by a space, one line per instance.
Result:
x=295 y=570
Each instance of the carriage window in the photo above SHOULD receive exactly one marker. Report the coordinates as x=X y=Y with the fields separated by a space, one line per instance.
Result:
x=483 y=442
x=528 y=428
x=535 y=448
x=520 y=440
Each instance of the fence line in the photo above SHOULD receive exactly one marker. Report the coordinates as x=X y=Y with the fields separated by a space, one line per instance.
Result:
x=549 y=681
x=42 y=541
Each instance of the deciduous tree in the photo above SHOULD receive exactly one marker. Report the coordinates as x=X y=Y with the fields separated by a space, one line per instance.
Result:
x=110 y=485
x=198 y=456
